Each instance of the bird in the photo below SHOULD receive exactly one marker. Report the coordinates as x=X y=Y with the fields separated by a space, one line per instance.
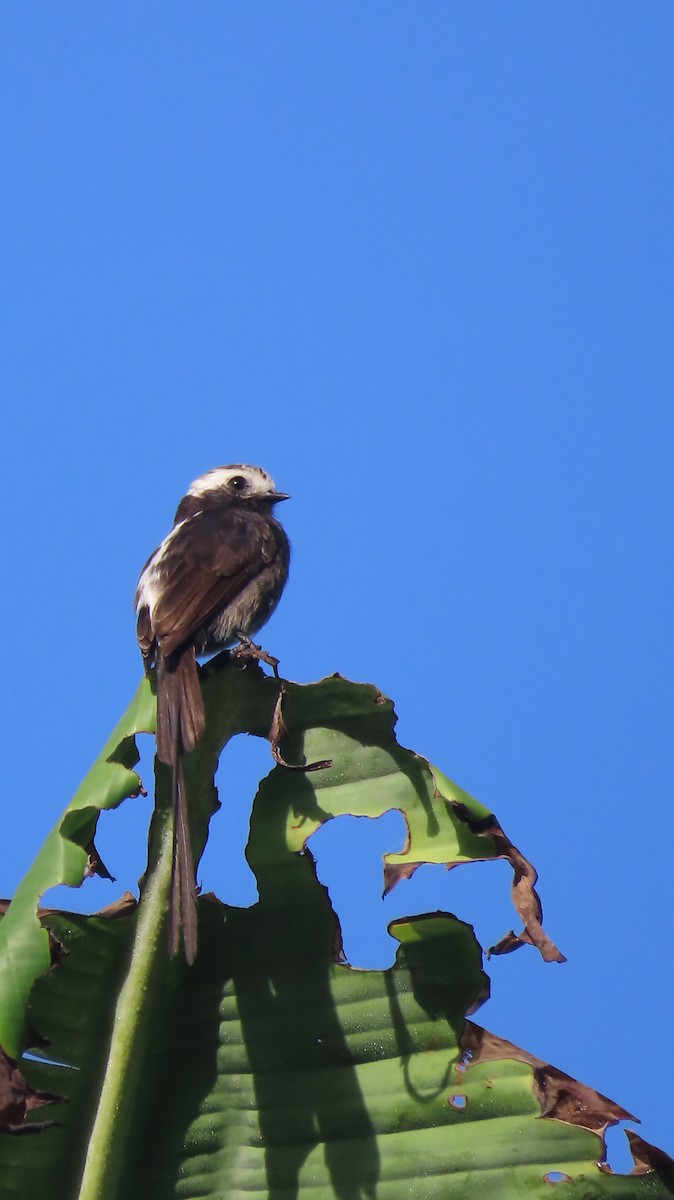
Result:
x=213 y=581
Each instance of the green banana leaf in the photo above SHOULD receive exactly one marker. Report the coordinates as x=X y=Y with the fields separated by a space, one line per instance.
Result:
x=66 y=856
x=272 y=1068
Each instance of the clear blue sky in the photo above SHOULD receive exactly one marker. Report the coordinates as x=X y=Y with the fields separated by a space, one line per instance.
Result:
x=416 y=261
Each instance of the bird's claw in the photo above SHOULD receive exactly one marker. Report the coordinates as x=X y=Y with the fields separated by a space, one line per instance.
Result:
x=247 y=649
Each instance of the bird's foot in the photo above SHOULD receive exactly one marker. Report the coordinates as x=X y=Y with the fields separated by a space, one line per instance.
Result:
x=247 y=649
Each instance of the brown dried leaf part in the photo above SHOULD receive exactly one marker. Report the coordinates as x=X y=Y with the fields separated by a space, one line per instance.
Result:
x=394 y=872
x=649 y=1158
x=95 y=864
x=119 y=908
x=17 y=1099
x=560 y=1096
x=278 y=730
x=563 y=1098
x=525 y=898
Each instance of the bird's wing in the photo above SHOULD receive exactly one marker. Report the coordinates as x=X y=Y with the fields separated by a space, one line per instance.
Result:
x=211 y=559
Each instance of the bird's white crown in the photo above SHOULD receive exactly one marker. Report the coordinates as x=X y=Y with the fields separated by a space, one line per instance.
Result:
x=258 y=482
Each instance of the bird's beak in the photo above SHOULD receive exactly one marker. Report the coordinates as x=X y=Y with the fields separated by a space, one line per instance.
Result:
x=276 y=496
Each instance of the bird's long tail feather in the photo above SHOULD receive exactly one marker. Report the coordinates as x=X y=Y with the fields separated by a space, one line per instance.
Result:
x=180 y=706
x=180 y=724
x=183 y=909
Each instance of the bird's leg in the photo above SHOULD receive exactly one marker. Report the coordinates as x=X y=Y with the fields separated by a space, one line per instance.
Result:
x=248 y=649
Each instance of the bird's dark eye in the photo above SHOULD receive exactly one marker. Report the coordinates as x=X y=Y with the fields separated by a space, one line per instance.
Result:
x=237 y=484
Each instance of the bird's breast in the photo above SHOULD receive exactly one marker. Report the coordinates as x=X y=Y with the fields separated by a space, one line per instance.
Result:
x=248 y=611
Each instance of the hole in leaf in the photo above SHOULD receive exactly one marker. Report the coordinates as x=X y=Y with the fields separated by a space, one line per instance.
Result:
x=223 y=868
x=478 y=893
x=44 y=1060
x=121 y=843
x=618 y=1155
x=557 y=1177
x=348 y=852
x=458 y=1100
